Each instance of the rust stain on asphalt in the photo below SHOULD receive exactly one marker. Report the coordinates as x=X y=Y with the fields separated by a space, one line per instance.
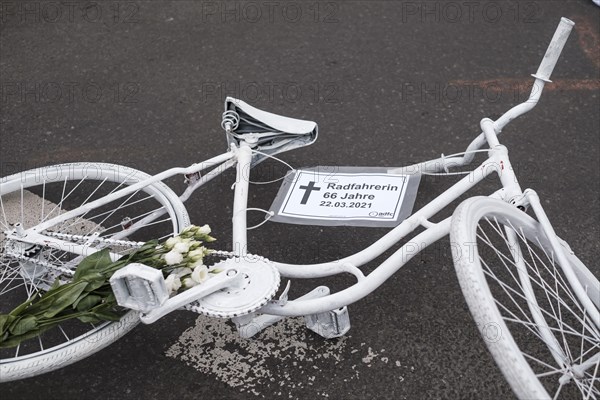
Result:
x=588 y=38
x=589 y=41
x=524 y=84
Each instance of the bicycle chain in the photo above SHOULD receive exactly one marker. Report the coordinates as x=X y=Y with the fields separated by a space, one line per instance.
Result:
x=82 y=238
x=231 y=254
x=42 y=263
x=74 y=239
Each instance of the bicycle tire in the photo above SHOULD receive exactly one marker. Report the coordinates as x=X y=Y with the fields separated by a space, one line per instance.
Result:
x=536 y=367
x=60 y=178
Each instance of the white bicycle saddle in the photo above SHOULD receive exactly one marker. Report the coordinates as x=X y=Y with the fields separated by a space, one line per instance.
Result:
x=275 y=133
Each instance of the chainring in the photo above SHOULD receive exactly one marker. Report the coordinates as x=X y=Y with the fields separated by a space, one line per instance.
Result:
x=259 y=285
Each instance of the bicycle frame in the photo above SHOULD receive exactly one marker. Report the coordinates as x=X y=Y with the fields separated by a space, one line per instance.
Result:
x=241 y=157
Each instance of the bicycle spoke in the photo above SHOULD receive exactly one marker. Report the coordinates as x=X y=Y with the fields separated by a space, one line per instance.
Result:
x=22 y=211
x=112 y=211
x=558 y=391
x=5 y=223
x=141 y=216
x=85 y=202
x=64 y=333
x=593 y=377
x=13 y=288
x=560 y=280
x=118 y=208
x=59 y=204
x=544 y=374
x=63 y=197
x=43 y=200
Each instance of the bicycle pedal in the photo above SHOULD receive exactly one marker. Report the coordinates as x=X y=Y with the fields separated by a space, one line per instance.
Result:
x=139 y=287
x=329 y=324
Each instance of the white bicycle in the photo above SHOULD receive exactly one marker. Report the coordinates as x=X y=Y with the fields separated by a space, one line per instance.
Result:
x=516 y=274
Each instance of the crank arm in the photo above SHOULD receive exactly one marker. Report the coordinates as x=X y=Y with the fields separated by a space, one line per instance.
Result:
x=228 y=278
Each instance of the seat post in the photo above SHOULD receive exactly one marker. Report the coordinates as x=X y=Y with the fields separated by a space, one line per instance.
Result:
x=240 y=200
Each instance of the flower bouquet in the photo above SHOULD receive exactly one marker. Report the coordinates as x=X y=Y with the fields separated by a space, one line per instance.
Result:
x=88 y=297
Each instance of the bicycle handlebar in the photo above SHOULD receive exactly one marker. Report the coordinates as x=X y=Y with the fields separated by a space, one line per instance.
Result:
x=542 y=76
x=554 y=49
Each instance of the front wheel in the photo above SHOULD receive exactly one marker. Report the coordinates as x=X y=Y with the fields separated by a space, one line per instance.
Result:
x=533 y=323
x=31 y=197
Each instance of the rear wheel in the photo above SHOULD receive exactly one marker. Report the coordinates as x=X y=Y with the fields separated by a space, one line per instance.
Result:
x=536 y=328
x=35 y=196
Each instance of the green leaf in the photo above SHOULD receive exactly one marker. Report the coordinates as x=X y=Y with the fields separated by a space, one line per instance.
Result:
x=100 y=312
x=148 y=247
x=15 y=340
x=12 y=341
x=95 y=280
x=94 y=262
x=5 y=321
x=104 y=291
x=114 y=267
x=42 y=301
x=21 y=307
x=81 y=297
x=88 y=302
x=110 y=299
x=108 y=316
x=23 y=325
x=88 y=319
x=55 y=285
x=105 y=312
x=57 y=320
x=66 y=298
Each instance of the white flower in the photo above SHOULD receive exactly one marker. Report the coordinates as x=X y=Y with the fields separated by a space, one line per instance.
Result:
x=189 y=283
x=193 y=264
x=181 y=247
x=205 y=230
x=200 y=273
x=182 y=271
x=194 y=244
x=173 y=257
x=196 y=255
x=189 y=228
x=172 y=242
x=173 y=283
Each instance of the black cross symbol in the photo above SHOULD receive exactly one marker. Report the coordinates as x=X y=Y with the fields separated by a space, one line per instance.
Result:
x=307 y=190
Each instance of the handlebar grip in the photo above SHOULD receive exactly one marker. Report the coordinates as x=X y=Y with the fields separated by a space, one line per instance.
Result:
x=554 y=49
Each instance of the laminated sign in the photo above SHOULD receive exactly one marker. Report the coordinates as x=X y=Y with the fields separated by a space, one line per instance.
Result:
x=354 y=196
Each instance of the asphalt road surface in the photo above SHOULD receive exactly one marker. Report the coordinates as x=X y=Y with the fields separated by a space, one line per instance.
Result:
x=390 y=83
